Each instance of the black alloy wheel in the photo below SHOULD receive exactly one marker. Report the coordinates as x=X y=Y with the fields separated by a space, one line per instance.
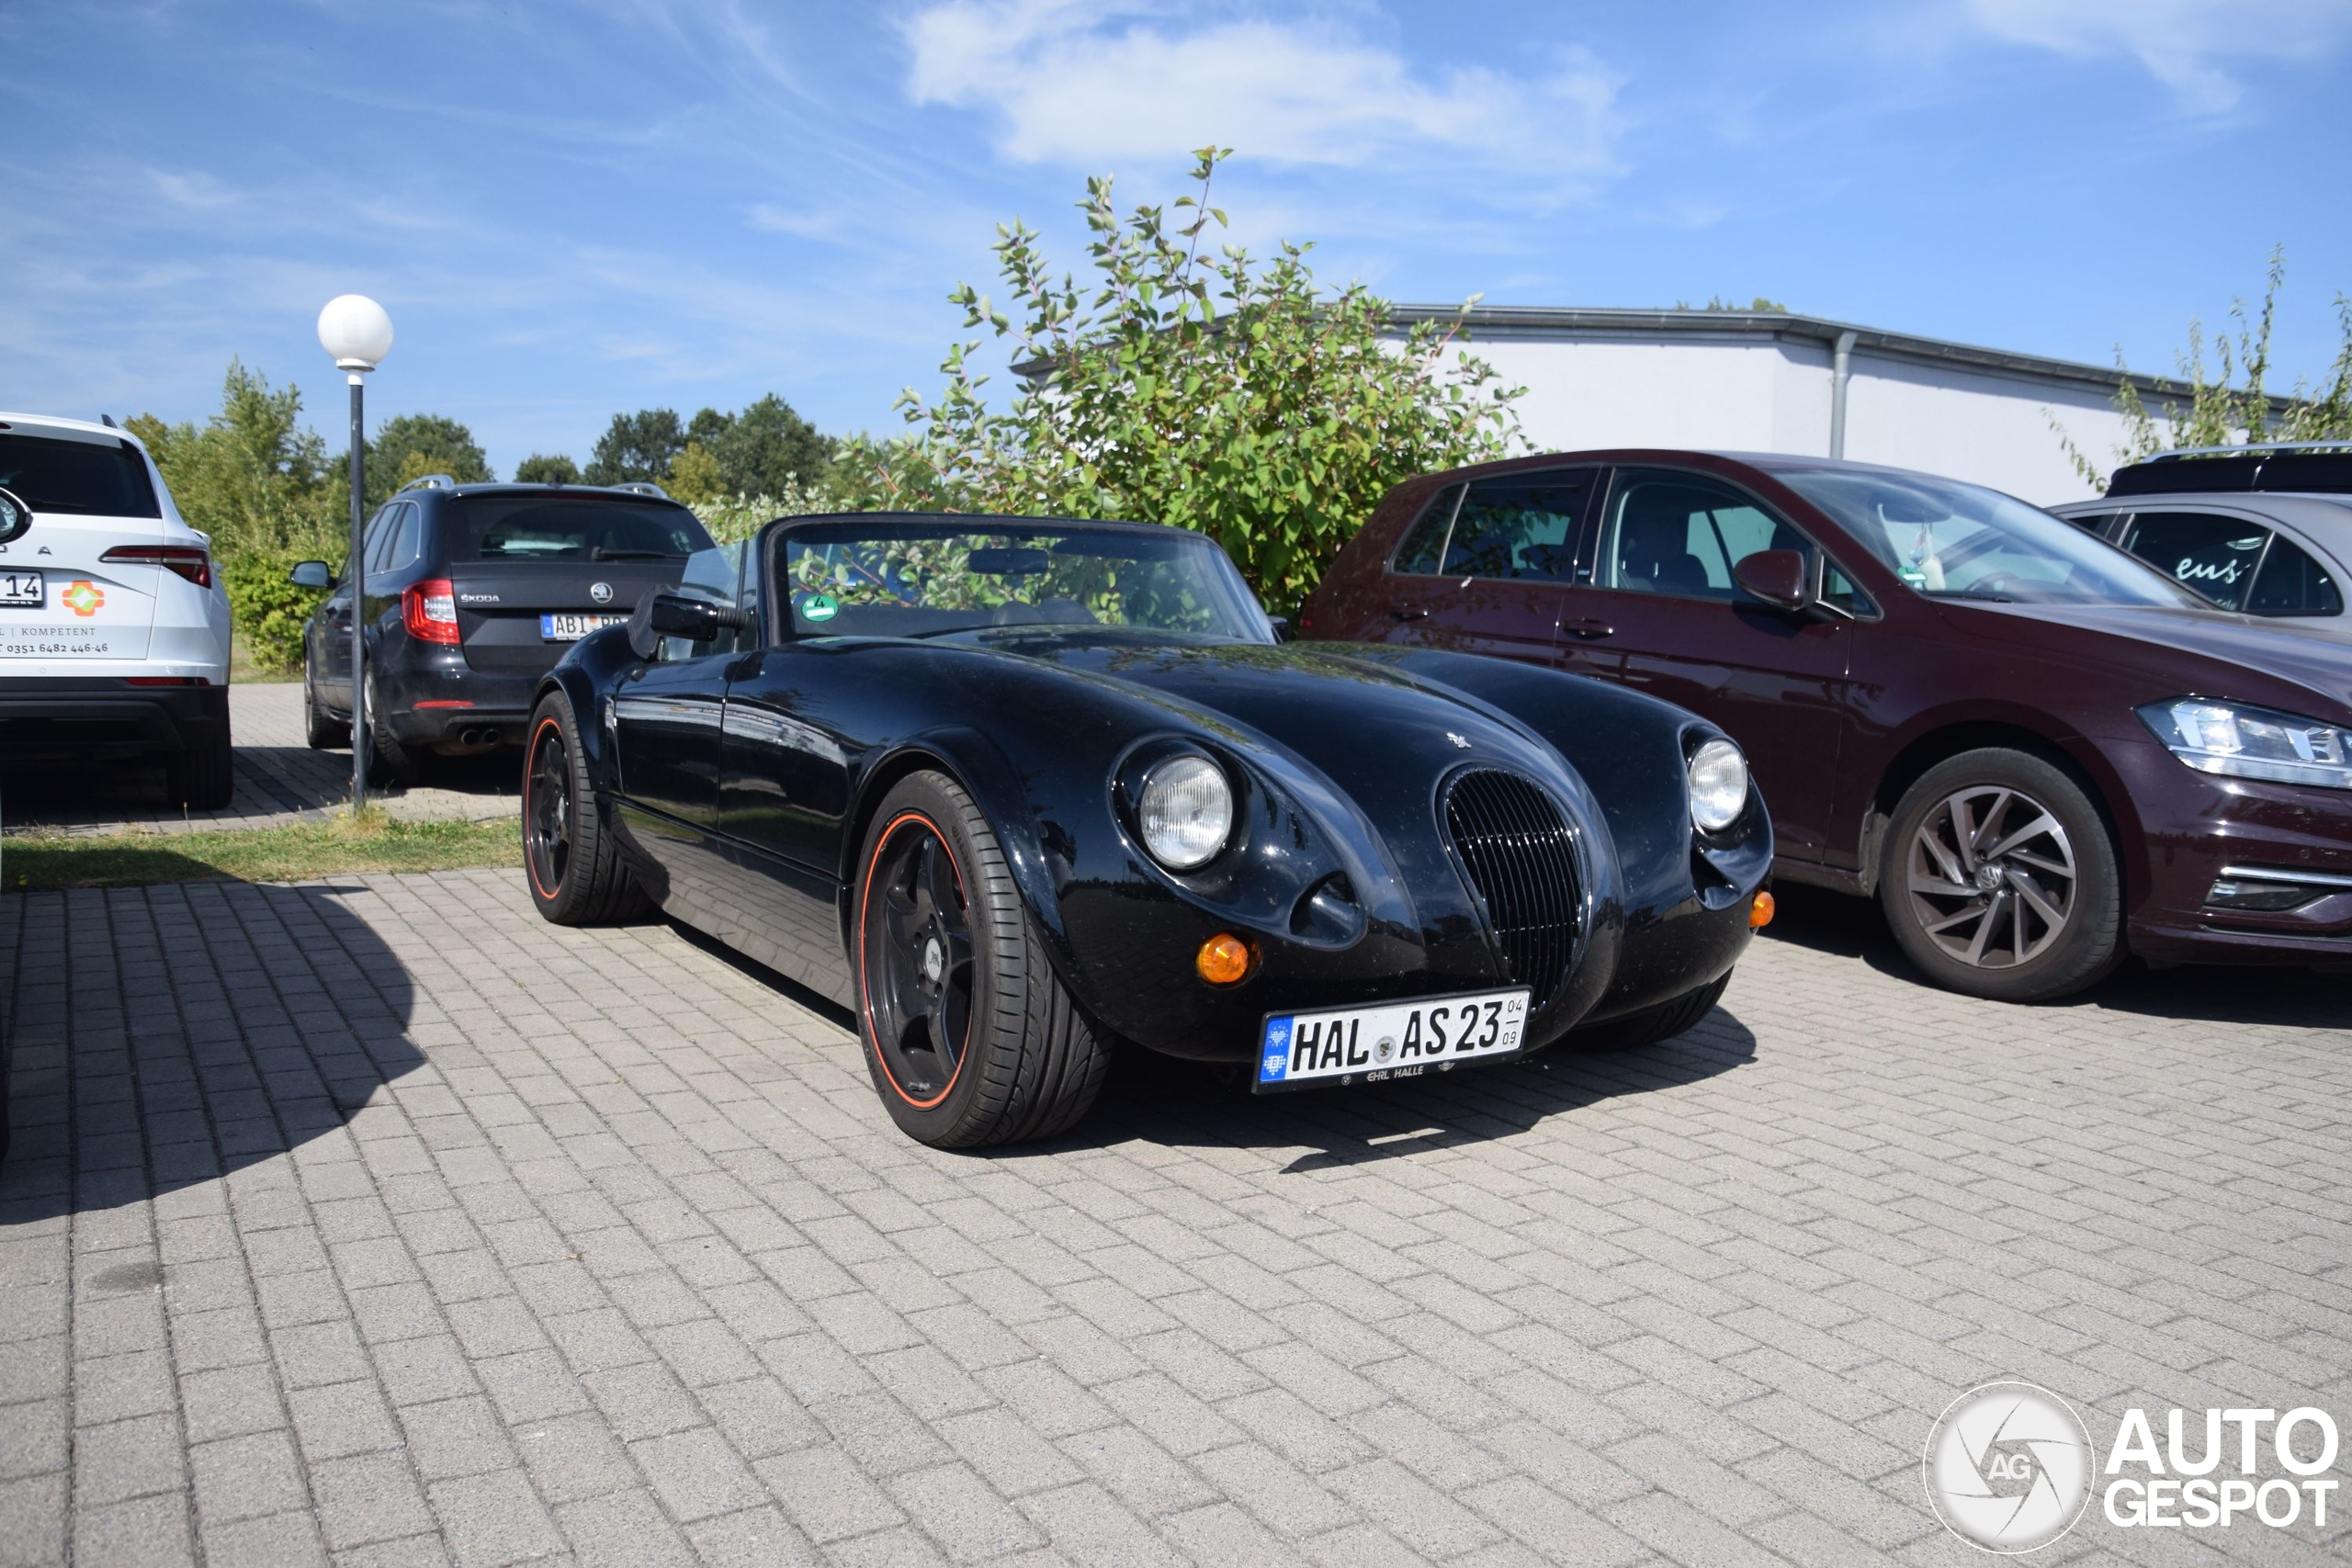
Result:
x=918 y=960
x=571 y=860
x=970 y=1034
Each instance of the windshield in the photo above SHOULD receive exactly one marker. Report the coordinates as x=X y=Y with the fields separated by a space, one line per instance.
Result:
x=571 y=528
x=895 y=577
x=1949 y=540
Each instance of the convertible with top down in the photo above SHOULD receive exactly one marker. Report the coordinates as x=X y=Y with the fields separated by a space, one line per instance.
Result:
x=1017 y=790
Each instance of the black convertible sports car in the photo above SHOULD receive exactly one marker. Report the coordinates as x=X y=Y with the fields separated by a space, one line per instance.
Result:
x=1016 y=788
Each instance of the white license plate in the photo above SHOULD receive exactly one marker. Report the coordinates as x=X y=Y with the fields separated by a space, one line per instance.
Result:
x=571 y=628
x=22 y=589
x=1400 y=1040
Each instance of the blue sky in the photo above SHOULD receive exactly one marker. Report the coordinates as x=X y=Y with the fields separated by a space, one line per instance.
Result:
x=574 y=209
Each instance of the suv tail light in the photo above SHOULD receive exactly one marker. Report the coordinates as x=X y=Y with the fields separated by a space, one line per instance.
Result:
x=188 y=561
x=429 y=610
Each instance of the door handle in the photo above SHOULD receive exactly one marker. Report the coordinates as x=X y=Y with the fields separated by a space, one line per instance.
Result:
x=1409 y=613
x=1589 y=628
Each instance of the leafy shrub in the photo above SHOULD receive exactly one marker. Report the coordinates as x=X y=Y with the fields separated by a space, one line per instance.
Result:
x=268 y=610
x=1216 y=393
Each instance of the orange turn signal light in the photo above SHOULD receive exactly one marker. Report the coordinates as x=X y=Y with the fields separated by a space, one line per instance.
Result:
x=1225 y=960
x=1760 y=913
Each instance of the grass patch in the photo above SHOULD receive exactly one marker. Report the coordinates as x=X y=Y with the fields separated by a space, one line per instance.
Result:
x=370 y=842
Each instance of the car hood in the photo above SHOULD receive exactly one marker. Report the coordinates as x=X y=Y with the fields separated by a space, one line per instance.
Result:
x=2181 y=652
x=1347 y=717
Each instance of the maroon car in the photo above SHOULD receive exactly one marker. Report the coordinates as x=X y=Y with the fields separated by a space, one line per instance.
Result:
x=2036 y=752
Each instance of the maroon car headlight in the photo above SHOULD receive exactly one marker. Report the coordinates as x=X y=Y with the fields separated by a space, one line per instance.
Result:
x=2240 y=742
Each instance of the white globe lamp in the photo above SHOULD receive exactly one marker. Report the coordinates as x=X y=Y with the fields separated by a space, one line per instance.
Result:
x=357 y=334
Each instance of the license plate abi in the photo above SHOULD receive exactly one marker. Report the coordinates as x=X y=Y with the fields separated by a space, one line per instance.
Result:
x=1395 y=1040
x=571 y=628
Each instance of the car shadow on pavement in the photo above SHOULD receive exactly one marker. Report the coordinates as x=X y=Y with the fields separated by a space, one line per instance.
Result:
x=1848 y=927
x=154 y=1038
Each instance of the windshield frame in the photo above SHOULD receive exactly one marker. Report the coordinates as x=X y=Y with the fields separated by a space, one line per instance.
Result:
x=785 y=619
x=2054 y=537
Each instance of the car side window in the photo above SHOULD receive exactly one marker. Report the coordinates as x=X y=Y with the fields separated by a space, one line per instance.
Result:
x=716 y=575
x=1685 y=534
x=2093 y=522
x=1424 y=546
x=2205 y=552
x=2292 y=583
x=1520 y=526
x=408 y=542
x=378 y=533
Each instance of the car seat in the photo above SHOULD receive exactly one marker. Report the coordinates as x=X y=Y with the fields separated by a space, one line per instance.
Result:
x=1653 y=542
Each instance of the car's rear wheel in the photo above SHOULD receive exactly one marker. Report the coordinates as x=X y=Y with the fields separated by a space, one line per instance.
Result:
x=390 y=763
x=970 y=1036
x=320 y=732
x=1999 y=880
x=1653 y=1026
x=571 y=860
x=202 y=775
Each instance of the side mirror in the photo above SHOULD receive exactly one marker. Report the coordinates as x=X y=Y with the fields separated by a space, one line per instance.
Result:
x=660 y=615
x=311 y=574
x=1779 y=578
x=1282 y=627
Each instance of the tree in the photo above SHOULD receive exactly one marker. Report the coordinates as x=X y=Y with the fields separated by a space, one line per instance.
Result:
x=638 y=447
x=767 y=449
x=268 y=493
x=2218 y=414
x=541 y=469
x=411 y=446
x=1223 y=395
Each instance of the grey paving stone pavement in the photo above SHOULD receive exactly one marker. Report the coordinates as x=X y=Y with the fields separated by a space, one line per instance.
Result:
x=373 y=1221
x=279 y=779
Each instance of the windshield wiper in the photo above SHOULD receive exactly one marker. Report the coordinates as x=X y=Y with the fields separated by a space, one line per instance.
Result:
x=1972 y=593
x=601 y=553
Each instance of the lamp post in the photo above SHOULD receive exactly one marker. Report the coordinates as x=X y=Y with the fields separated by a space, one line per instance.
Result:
x=357 y=334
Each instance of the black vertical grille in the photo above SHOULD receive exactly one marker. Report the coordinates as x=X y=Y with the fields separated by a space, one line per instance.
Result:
x=1515 y=845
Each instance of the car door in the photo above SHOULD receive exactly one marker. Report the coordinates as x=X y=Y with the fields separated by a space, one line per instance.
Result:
x=1662 y=613
x=1485 y=567
x=332 y=664
x=2240 y=560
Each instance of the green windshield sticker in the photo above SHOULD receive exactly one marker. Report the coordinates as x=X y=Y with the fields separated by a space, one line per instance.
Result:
x=818 y=607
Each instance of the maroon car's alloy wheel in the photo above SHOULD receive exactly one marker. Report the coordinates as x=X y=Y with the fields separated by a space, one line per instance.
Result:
x=1992 y=876
x=547 y=814
x=916 y=942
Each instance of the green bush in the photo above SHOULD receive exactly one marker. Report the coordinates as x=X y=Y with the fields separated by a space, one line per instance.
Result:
x=268 y=611
x=1208 y=390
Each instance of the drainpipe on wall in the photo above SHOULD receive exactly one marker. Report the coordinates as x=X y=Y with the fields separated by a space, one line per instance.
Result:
x=1841 y=360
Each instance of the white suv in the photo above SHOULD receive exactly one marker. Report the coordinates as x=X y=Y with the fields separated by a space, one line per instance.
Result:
x=114 y=626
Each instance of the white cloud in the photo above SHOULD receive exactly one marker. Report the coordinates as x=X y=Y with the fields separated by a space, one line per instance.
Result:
x=1067 y=86
x=2191 y=46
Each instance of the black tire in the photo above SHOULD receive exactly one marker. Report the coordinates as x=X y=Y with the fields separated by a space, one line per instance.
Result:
x=1652 y=1026
x=320 y=732
x=390 y=765
x=1981 y=853
x=571 y=860
x=982 y=1043
x=203 y=777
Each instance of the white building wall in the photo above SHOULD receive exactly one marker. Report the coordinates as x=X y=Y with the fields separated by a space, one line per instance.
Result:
x=1687 y=389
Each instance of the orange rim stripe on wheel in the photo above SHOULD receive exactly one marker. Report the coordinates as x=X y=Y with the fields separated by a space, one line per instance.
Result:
x=530 y=756
x=865 y=1005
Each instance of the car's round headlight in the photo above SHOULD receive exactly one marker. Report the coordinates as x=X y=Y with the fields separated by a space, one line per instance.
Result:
x=1186 y=810
x=1718 y=785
